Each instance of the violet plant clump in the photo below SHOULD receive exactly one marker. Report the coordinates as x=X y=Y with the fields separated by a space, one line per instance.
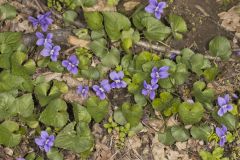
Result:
x=156 y=8
x=221 y=132
x=225 y=106
x=71 y=64
x=45 y=141
x=101 y=90
x=44 y=41
x=149 y=90
x=117 y=78
x=43 y=20
x=52 y=52
x=160 y=73
x=83 y=91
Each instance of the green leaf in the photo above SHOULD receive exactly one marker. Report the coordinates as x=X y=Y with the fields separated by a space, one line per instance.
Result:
x=178 y=25
x=140 y=99
x=23 y=105
x=218 y=152
x=69 y=16
x=99 y=47
x=197 y=62
x=9 y=82
x=201 y=132
x=229 y=120
x=181 y=74
x=185 y=57
x=205 y=155
x=126 y=60
x=112 y=58
x=191 y=113
x=6 y=102
x=91 y=73
x=54 y=154
x=166 y=138
x=55 y=114
x=163 y=102
x=155 y=29
x=45 y=93
x=72 y=140
x=7 y=11
x=10 y=42
x=98 y=109
x=138 y=17
x=132 y=113
x=55 y=67
x=220 y=47
x=81 y=114
x=114 y=23
x=179 y=133
x=211 y=73
x=10 y=125
x=202 y=94
x=119 y=117
x=94 y=20
x=8 y=138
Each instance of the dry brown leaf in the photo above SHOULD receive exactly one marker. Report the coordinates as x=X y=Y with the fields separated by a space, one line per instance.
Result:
x=157 y=124
x=231 y=19
x=134 y=142
x=158 y=149
x=101 y=6
x=73 y=40
x=181 y=145
x=172 y=121
x=128 y=6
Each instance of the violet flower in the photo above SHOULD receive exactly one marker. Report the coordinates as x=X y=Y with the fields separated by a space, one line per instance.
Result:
x=71 y=64
x=156 y=8
x=102 y=89
x=42 y=41
x=45 y=142
x=83 y=91
x=20 y=159
x=117 y=78
x=160 y=73
x=221 y=132
x=235 y=96
x=224 y=105
x=149 y=89
x=52 y=51
x=43 y=20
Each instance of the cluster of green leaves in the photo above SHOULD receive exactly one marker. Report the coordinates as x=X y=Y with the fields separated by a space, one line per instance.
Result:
x=217 y=154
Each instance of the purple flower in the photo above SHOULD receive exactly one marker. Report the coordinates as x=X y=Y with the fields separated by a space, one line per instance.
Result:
x=149 y=89
x=221 y=132
x=237 y=52
x=224 y=105
x=102 y=89
x=156 y=8
x=71 y=64
x=160 y=73
x=20 y=159
x=43 y=20
x=42 y=41
x=45 y=142
x=83 y=91
x=117 y=78
x=173 y=56
x=52 y=51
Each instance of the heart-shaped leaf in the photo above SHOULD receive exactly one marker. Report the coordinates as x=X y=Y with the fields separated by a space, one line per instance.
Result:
x=201 y=132
x=55 y=114
x=81 y=114
x=98 y=109
x=166 y=138
x=220 y=47
x=191 y=113
x=179 y=133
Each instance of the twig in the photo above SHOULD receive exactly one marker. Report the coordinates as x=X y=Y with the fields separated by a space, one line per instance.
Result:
x=40 y=7
x=164 y=49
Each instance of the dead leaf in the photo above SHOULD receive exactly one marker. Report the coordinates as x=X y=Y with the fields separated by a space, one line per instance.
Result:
x=158 y=149
x=157 y=124
x=231 y=19
x=134 y=142
x=101 y=6
x=73 y=40
x=128 y=6
x=172 y=121
x=181 y=145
